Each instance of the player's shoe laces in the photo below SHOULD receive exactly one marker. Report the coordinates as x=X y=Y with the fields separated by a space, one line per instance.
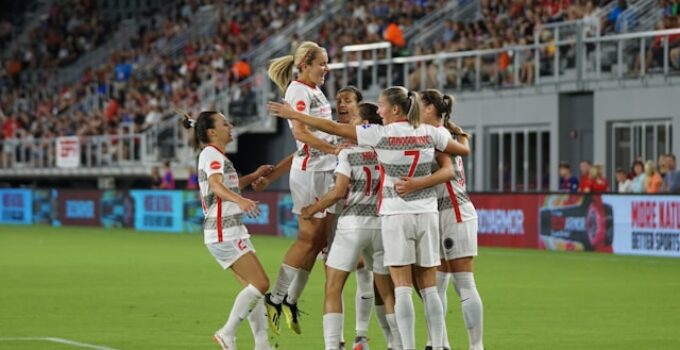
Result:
x=429 y=347
x=292 y=316
x=227 y=343
x=273 y=313
x=360 y=343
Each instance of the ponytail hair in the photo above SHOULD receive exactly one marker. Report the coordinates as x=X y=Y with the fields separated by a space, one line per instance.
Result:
x=441 y=102
x=368 y=111
x=407 y=101
x=281 y=69
x=201 y=125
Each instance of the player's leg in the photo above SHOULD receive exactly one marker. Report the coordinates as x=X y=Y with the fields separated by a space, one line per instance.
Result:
x=385 y=288
x=333 y=309
x=248 y=269
x=398 y=237
x=427 y=261
x=460 y=263
x=258 y=322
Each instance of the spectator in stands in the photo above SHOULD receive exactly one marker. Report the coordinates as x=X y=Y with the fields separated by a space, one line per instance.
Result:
x=653 y=180
x=568 y=182
x=192 y=179
x=655 y=54
x=610 y=23
x=672 y=180
x=156 y=179
x=624 y=184
x=394 y=35
x=638 y=171
x=168 y=181
x=597 y=183
x=584 y=180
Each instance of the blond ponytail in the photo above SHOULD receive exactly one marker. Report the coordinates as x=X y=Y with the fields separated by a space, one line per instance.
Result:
x=281 y=69
x=413 y=113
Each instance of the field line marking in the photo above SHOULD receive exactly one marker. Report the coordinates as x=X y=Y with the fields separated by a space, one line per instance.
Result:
x=59 y=341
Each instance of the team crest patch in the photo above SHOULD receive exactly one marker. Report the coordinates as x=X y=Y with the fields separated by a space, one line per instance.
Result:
x=448 y=243
x=214 y=165
x=300 y=106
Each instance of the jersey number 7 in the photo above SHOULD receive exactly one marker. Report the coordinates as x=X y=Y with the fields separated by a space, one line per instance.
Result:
x=416 y=156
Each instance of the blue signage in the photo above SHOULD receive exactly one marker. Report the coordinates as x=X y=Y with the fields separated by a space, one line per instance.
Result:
x=80 y=209
x=158 y=210
x=16 y=206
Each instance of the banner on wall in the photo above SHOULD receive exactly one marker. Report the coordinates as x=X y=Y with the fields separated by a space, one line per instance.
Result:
x=158 y=210
x=646 y=225
x=45 y=207
x=507 y=220
x=16 y=206
x=79 y=207
x=571 y=222
x=287 y=224
x=68 y=152
x=117 y=209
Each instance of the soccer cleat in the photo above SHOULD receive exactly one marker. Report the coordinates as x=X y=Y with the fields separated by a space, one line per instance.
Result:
x=227 y=343
x=360 y=343
x=341 y=346
x=292 y=314
x=273 y=313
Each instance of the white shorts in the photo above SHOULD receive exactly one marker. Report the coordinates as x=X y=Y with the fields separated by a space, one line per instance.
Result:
x=307 y=187
x=350 y=243
x=228 y=252
x=458 y=239
x=411 y=239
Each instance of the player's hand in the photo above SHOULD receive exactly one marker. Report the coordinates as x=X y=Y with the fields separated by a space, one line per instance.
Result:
x=306 y=213
x=342 y=146
x=264 y=170
x=283 y=110
x=250 y=207
x=406 y=185
x=260 y=184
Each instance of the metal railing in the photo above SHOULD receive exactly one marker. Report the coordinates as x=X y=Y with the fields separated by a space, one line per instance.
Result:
x=457 y=11
x=532 y=65
x=125 y=149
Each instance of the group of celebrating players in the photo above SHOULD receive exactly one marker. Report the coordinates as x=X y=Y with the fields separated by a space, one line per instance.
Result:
x=382 y=178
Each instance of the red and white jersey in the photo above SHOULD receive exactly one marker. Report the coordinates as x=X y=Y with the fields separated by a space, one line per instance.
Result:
x=360 y=164
x=223 y=219
x=311 y=101
x=403 y=151
x=452 y=195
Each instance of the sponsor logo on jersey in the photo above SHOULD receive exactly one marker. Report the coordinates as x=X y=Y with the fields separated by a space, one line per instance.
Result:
x=214 y=165
x=300 y=106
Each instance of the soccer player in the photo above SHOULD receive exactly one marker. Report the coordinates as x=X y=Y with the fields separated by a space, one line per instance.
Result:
x=409 y=225
x=457 y=222
x=225 y=236
x=358 y=229
x=311 y=175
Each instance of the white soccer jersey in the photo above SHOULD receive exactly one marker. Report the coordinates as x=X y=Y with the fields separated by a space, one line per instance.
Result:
x=223 y=219
x=403 y=151
x=452 y=195
x=311 y=101
x=360 y=164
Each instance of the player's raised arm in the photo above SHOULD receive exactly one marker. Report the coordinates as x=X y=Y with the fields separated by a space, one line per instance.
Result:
x=283 y=110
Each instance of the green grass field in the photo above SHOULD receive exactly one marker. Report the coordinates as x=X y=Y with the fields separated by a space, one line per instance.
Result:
x=129 y=290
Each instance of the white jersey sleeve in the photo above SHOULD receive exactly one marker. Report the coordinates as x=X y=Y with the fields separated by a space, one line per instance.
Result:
x=298 y=98
x=369 y=134
x=343 y=166
x=440 y=138
x=212 y=161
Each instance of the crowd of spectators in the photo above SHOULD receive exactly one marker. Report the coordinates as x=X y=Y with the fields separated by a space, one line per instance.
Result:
x=643 y=177
x=137 y=87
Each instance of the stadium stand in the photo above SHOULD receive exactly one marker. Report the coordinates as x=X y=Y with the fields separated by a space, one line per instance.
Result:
x=118 y=76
